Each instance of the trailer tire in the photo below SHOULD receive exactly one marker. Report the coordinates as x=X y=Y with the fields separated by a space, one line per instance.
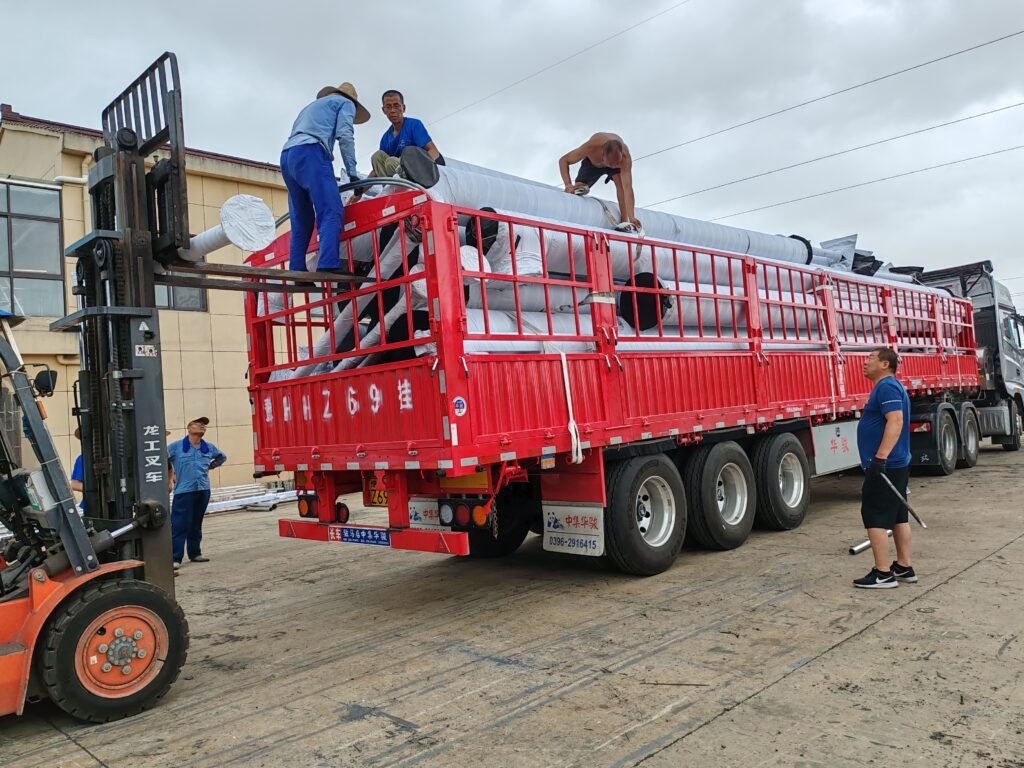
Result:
x=722 y=495
x=783 y=476
x=152 y=646
x=1016 y=427
x=970 y=434
x=948 y=445
x=516 y=507
x=645 y=520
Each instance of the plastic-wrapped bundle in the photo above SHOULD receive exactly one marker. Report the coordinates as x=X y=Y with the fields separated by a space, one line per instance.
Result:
x=477 y=190
x=245 y=222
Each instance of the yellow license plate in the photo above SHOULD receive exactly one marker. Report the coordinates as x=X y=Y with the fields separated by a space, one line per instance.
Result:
x=374 y=496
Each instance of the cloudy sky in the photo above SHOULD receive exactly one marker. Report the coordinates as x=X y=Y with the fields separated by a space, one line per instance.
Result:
x=676 y=72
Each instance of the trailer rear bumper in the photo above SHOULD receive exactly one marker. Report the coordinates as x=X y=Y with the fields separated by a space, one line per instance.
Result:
x=418 y=540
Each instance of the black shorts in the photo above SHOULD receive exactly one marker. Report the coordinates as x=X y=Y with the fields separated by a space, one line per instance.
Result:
x=879 y=506
x=590 y=174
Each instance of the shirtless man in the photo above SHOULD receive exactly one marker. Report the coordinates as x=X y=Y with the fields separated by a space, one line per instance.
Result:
x=603 y=154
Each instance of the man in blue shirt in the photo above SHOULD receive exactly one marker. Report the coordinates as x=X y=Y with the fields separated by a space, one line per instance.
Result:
x=883 y=439
x=77 y=473
x=307 y=164
x=404 y=132
x=191 y=460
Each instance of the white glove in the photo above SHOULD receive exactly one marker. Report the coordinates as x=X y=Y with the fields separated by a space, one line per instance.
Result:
x=629 y=227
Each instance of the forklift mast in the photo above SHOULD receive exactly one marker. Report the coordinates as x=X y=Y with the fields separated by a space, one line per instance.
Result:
x=140 y=220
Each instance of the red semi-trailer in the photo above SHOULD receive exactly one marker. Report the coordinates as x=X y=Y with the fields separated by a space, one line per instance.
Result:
x=614 y=413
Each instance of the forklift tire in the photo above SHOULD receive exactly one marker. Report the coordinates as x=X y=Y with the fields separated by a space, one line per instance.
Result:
x=970 y=434
x=722 y=495
x=112 y=650
x=783 y=480
x=1016 y=427
x=645 y=520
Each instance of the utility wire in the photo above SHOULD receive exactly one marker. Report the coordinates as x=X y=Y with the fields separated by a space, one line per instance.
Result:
x=834 y=154
x=559 y=62
x=868 y=183
x=827 y=96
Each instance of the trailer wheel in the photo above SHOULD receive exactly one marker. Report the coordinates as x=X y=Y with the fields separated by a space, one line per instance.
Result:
x=971 y=434
x=948 y=444
x=1016 y=427
x=783 y=482
x=516 y=507
x=645 y=520
x=722 y=496
x=113 y=650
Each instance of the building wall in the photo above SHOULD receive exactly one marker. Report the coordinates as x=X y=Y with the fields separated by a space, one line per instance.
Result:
x=204 y=353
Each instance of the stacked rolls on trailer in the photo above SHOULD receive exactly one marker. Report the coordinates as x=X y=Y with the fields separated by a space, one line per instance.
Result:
x=672 y=286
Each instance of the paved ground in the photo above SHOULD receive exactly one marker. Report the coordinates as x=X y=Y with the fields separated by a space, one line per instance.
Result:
x=339 y=655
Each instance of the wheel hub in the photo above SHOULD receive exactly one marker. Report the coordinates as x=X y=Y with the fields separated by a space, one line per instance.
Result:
x=731 y=493
x=655 y=509
x=121 y=651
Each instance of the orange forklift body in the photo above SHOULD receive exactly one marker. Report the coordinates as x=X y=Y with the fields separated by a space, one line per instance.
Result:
x=22 y=621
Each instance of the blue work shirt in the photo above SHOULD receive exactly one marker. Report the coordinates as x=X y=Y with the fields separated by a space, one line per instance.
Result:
x=325 y=121
x=887 y=396
x=77 y=473
x=412 y=134
x=192 y=464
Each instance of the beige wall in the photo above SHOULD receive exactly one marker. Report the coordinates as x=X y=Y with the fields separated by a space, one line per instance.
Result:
x=204 y=353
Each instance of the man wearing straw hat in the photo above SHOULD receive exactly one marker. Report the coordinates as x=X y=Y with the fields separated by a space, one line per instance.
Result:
x=307 y=164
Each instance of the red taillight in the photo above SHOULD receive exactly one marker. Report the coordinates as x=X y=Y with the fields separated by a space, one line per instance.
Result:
x=921 y=426
x=341 y=512
x=462 y=515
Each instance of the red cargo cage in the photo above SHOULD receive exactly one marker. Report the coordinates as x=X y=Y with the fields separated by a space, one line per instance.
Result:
x=449 y=378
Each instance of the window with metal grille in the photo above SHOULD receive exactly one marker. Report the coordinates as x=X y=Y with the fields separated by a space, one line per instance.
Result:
x=31 y=250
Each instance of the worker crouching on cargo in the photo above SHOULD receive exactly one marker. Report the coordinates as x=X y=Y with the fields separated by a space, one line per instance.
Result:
x=603 y=154
x=403 y=132
x=191 y=460
x=883 y=437
x=307 y=164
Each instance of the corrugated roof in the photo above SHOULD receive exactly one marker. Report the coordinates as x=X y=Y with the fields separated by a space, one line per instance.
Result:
x=8 y=115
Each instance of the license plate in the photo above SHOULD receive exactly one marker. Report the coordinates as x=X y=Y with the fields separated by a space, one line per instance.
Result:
x=373 y=496
x=575 y=530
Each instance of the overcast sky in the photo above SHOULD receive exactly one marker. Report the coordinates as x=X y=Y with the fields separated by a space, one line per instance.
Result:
x=700 y=66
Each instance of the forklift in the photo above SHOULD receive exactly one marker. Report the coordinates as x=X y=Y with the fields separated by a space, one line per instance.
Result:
x=88 y=616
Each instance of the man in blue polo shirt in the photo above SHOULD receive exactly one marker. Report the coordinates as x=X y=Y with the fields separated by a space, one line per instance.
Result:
x=883 y=439
x=307 y=164
x=191 y=460
x=404 y=132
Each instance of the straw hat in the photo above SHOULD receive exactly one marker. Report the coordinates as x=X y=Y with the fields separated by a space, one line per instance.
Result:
x=349 y=92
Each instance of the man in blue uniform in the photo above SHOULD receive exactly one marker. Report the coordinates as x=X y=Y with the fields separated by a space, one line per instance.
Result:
x=191 y=460
x=883 y=438
x=404 y=132
x=307 y=164
x=77 y=473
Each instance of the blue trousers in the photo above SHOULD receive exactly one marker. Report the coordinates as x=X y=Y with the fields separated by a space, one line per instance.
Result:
x=312 y=196
x=187 y=511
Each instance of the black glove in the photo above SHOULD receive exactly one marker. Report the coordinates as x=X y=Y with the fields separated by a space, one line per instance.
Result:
x=875 y=468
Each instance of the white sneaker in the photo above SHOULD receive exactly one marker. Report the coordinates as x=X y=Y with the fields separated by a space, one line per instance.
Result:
x=177 y=565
